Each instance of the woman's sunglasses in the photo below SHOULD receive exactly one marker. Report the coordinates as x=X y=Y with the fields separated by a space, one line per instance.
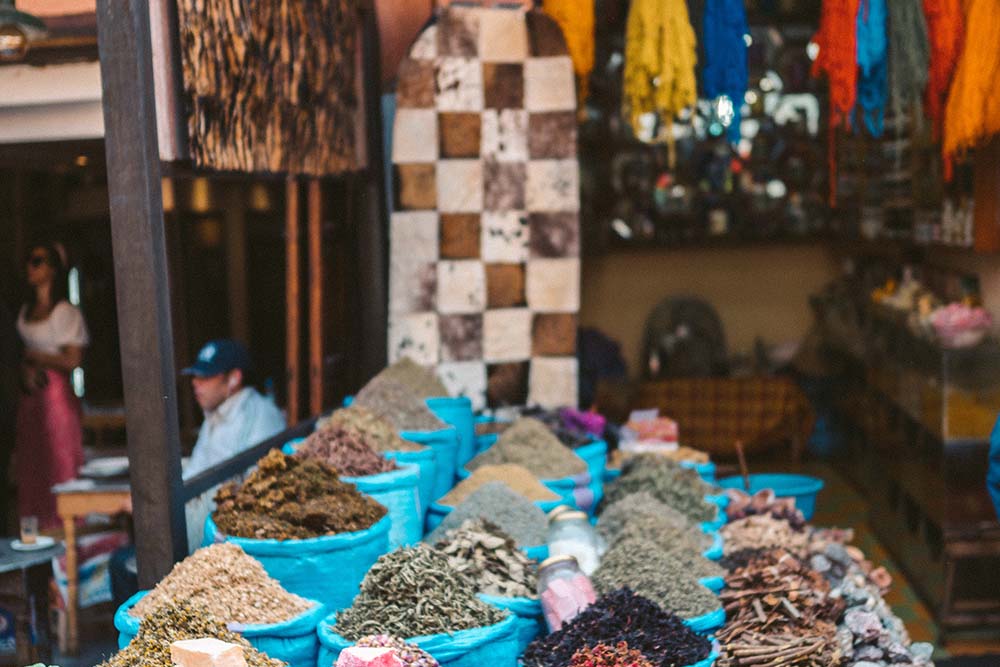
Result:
x=37 y=260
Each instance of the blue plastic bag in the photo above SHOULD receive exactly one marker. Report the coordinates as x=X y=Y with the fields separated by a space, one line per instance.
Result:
x=444 y=442
x=458 y=413
x=596 y=456
x=715 y=552
x=425 y=460
x=539 y=553
x=485 y=441
x=708 y=622
x=494 y=645
x=293 y=641
x=530 y=617
x=712 y=657
x=397 y=490
x=714 y=584
x=327 y=569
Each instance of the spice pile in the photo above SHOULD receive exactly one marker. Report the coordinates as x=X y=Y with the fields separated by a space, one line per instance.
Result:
x=382 y=437
x=398 y=405
x=518 y=478
x=649 y=513
x=605 y=655
x=410 y=655
x=490 y=559
x=553 y=420
x=176 y=622
x=228 y=584
x=621 y=616
x=418 y=379
x=742 y=504
x=514 y=514
x=350 y=453
x=619 y=458
x=680 y=488
x=291 y=498
x=641 y=565
x=413 y=591
x=529 y=443
x=763 y=532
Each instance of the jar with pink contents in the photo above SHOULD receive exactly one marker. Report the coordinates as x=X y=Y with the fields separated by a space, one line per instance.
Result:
x=563 y=589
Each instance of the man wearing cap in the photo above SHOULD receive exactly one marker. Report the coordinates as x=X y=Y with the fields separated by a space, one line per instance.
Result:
x=237 y=416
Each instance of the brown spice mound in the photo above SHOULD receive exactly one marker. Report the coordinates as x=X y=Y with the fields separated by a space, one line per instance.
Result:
x=382 y=436
x=419 y=379
x=291 y=498
x=349 y=452
x=229 y=584
x=398 y=405
x=529 y=443
x=518 y=478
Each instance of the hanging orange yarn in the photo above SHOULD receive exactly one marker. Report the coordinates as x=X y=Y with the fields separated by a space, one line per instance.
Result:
x=944 y=28
x=576 y=18
x=972 y=114
x=837 y=39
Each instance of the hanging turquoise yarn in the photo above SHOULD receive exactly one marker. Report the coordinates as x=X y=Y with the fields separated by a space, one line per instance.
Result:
x=873 y=63
x=724 y=30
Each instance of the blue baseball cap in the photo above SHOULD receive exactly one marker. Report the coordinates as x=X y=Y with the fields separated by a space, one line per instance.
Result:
x=219 y=356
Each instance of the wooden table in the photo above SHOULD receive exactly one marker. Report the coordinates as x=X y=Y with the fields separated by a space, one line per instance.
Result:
x=76 y=499
x=24 y=589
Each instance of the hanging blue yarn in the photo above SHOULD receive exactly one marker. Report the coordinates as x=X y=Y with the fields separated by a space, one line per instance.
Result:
x=873 y=62
x=725 y=71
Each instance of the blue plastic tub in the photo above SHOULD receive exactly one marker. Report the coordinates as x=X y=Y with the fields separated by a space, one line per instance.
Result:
x=457 y=412
x=444 y=442
x=801 y=487
x=706 y=470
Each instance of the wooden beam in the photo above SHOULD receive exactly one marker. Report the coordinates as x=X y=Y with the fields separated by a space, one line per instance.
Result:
x=986 y=193
x=143 y=294
x=316 y=347
x=293 y=314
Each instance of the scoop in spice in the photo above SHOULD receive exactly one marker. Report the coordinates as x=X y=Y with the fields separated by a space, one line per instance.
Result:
x=529 y=443
x=398 y=405
x=380 y=434
x=518 y=478
x=290 y=498
x=512 y=513
x=491 y=559
x=351 y=454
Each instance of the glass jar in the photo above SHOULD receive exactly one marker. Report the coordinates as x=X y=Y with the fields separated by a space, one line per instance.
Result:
x=570 y=534
x=563 y=589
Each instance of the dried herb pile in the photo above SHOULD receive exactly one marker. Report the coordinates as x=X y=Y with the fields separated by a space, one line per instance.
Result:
x=228 y=584
x=421 y=380
x=399 y=405
x=741 y=505
x=553 y=420
x=518 y=478
x=657 y=575
x=414 y=591
x=175 y=622
x=350 y=453
x=619 y=458
x=292 y=498
x=605 y=655
x=680 y=488
x=643 y=508
x=648 y=534
x=382 y=437
x=490 y=559
x=621 y=616
x=512 y=513
x=763 y=532
x=529 y=443
x=410 y=655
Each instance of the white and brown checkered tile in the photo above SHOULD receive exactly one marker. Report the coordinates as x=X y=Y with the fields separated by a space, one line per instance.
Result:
x=553 y=285
x=507 y=335
x=461 y=287
x=505 y=236
x=414 y=335
x=553 y=382
x=465 y=378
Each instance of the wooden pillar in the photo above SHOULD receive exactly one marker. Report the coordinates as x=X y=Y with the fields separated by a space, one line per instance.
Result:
x=986 y=193
x=315 y=224
x=143 y=291
x=236 y=262
x=293 y=313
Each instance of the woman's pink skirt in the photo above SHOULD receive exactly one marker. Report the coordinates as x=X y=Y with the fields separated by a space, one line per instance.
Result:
x=49 y=447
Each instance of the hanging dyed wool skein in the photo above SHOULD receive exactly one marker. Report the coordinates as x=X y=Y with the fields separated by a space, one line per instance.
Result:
x=973 y=111
x=725 y=73
x=909 y=53
x=837 y=58
x=576 y=18
x=944 y=31
x=873 y=63
x=660 y=59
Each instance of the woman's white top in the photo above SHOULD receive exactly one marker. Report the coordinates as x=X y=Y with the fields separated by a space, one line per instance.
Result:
x=63 y=327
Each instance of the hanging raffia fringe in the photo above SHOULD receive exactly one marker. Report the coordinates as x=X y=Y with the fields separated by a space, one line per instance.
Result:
x=660 y=61
x=909 y=54
x=576 y=18
x=873 y=63
x=973 y=111
x=837 y=41
x=725 y=71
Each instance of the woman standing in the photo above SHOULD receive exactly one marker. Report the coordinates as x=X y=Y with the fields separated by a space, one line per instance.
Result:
x=49 y=446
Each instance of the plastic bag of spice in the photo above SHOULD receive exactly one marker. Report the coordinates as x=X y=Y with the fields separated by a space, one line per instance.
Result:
x=426 y=462
x=328 y=569
x=457 y=412
x=444 y=442
x=294 y=641
x=529 y=614
x=494 y=645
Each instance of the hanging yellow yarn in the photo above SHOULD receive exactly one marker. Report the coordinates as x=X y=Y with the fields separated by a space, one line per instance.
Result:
x=973 y=111
x=660 y=59
x=576 y=18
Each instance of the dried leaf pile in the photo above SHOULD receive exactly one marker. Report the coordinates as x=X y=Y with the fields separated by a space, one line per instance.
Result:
x=680 y=488
x=490 y=558
x=643 y=508
x=741 y=505
x=419 y=379
x=350 y=453
x=763 y=532
x=291 y=498
x=228 y=584
x=381 y=435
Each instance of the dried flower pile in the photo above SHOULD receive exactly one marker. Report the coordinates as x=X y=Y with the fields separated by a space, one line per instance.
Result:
x=410 y=655
x=350 y=453
x=382 y=436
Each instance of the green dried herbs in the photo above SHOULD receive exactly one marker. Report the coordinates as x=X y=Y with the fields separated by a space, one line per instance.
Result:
x=175 y=622
x=514 y=514
x=653 y=516
x=351 y=454
x=291 y=498
x=398 y=405
x=382 y=436
x=419 y=379
x=491 y=559
x=668 y=482
x=529 y=443
x=414 y=591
